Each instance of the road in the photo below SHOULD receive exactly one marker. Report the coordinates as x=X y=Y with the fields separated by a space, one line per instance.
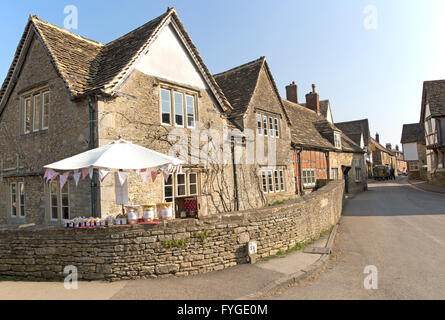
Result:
x=396 y=228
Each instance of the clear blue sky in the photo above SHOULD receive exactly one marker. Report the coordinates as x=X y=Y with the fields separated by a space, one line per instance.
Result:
x=375 y=74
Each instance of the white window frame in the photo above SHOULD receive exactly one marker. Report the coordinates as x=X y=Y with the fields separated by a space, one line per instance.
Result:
x=20 y=207
x=259 y=120
x=181 y=185
x=25 y=108
x=277 y=128
x=270 y=181
x=276 y=181
x=170 y=108
x=190 y=183
x=264 y=181
x=36 y=108
x=62 y=206
x=174 y=109
x=335 y=170
x=45 y=108
x=172 y=185
x=51 y=206
x=311 y=176
x=271 y=128
x=282 y=181
x=337 y=140
x=187 y=113
x=11 y=194
x=265 y=126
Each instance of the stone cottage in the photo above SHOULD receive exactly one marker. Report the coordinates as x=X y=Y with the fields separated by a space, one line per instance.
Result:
x=65 y=94
x=382 y=156
x=321 y=150
x=414 y=149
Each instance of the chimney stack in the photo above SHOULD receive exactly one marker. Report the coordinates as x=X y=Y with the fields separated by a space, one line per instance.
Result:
x=397 y=147
x=377 y=138
x=388 y=146
x=292 y=92
x=313 y=100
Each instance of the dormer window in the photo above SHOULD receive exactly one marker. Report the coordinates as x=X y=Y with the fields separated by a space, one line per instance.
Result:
x=337 y=140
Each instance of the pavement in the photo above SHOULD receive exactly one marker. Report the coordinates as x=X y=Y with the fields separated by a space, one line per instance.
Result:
x=240 y=282
x=425 y=186
x=395 y=227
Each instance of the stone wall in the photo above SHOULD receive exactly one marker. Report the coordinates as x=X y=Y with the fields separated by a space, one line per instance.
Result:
x=177 y=247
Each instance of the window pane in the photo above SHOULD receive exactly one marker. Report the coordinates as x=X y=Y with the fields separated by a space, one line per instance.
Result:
x=263 y=175
x=190 y=103
x=168 y=192
x=277 y=131
x=65 y=213
x=271 y=127
x=179 y=109
x=45 y=111
x=28 y=115
x=181 y=178
x=193 y=178
x=270 y=180
x=265 y=125
x=260 y=130
x=165 y=106
x=22 y=198
x=13 y=190
x=193 y=189
x=277 y=182
x=282 y=180
x=181 y=190
x=54 y=214
x=37 y=110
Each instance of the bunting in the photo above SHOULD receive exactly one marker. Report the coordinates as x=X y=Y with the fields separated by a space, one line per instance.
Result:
x=102 y=174
x=84 y=173
x=76 y=177
x=63 y=178
x=154 y=175
x=123 y=176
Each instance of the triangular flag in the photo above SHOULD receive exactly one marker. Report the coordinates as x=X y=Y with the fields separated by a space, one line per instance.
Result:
x=166 y=175
x=144 y=176
x=84 y=173
x=63 y=179
x=123 y=176
x=53 y=176
x=50 y=174
x=102 y=174
x=46 y=173
x=154 y=175
x=90 y=173
x=179 y=168
x=76 y=177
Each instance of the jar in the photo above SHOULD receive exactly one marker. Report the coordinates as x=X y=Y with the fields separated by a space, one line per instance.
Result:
x=166 y=211
x=149 y=212
x=132 y=214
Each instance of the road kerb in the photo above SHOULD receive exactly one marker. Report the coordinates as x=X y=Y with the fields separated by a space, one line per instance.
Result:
x=297 y=276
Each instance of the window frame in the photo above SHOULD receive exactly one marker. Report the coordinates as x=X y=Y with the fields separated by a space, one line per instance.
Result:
x=282 y=181
x=175 y=92
x=36 y=113
x=169 y=123
x=13 y=204
x=265 y=125
x=45 y=109
x=337 y=140
x=259 y=120
x=277 y=128
x=59 y=201
x=180 y=185
x=264 y=181
x=271 y=127
x=190 y=183
x=335 y=169
x=312 y=177
x=172 y=186
x=25 y=113
x=186 y=111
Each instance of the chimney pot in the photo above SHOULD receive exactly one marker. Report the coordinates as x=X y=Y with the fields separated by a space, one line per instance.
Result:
x=314 y=88
x=313 y=100
x=292 y=92
x=377 y=137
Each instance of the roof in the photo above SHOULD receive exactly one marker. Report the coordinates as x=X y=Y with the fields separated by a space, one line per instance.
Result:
x=355 y=129
x=239 y=85
x=380 y=147
x=434 y=95
x=308 y=127
x=86 y=65
x=413 y=132
x=324 y=107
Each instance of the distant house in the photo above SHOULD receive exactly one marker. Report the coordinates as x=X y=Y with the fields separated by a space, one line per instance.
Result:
x=401 y=166
x=321 y=150
x=414 y=149
x=358 y=131
x=432 y=115
x=382 y=156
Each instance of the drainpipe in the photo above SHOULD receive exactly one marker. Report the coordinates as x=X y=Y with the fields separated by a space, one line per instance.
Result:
x=328 y=166
x=91 y=146
x=235 y=179
x=299 y=171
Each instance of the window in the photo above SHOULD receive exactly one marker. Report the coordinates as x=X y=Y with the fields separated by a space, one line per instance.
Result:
x=28 y=116
x=45 y=111
x=168 y=189
x=179 y=109
x=59 y=201
x=358 y=174
x=17 y=193
x=270 y=181
x=54 y=203
x=180 y=185
x=165 y=106
x=259 y=125
x=265 y=125
x=193 y=183
x=282 y=180
x=37 y=107
x=36 y=112
x=337 y=140
x=277 y=181
x=335 y=173
x=190 y=105
x=277 y=130
x=308 y=178
x=271 y=130
x=264 y=180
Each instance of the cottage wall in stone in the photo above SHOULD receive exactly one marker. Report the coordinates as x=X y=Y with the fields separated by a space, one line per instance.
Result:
x=354 y=161
x=178 y=247
x=24 y=155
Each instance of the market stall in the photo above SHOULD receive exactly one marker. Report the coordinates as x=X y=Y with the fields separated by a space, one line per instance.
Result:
x=121 y=158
